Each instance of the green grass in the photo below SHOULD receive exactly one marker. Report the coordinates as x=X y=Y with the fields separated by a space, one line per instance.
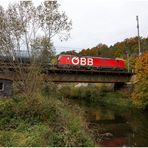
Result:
x=117 y=101
x=42 y=122
x=99 y=96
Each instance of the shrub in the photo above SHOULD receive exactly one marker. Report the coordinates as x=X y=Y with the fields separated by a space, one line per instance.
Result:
x=42 y=121
x=140 y=94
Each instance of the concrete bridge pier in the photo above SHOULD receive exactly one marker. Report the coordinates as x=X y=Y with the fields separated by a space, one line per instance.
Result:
x=119 y=86
x=5 y=87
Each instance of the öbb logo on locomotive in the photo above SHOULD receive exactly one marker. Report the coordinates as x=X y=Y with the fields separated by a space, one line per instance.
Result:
x=82 y=61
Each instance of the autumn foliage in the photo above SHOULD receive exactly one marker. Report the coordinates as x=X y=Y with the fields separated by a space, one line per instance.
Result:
x=119 y=49
x=140 y=94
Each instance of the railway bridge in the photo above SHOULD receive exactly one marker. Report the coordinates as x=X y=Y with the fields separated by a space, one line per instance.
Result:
x=87 y=76
x=119 y=78
x=69 y=75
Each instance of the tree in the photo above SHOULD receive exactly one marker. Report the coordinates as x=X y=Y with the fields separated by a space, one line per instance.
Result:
x=140 y=94
x=144 y=44
x=26 y=27
x=45 y=49
x=71 y=52
x=53 y=21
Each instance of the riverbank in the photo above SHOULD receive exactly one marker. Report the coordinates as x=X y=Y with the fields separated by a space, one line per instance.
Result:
x=99 y=95
x=42 y=121
x=72 y=116
x=112 y=117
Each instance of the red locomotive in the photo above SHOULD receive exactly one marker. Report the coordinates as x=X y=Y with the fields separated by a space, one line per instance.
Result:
x=93 y=62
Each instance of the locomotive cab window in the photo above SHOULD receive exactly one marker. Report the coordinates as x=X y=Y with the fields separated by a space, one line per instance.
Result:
x=1 y=86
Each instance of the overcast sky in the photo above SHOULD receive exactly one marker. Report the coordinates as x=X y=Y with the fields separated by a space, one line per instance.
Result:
x=100 y=21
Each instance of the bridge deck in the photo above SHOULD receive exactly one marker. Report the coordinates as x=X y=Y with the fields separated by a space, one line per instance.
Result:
x=88 y=76
x=55 y=74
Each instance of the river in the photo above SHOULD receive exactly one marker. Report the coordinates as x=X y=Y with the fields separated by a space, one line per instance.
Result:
x=112 y=128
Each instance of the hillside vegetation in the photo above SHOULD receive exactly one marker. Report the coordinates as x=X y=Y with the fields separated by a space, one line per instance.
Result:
x=119 y=49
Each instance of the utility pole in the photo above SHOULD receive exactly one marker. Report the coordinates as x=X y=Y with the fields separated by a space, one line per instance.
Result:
x=128 y=62
x=138 y=35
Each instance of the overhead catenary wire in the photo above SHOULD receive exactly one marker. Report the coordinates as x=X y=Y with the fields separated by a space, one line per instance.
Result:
x=69 y=48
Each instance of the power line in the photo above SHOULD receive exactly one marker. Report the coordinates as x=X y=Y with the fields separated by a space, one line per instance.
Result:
x=72 y=48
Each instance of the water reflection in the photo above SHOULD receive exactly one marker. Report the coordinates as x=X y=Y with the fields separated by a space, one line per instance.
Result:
x=115 y=129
